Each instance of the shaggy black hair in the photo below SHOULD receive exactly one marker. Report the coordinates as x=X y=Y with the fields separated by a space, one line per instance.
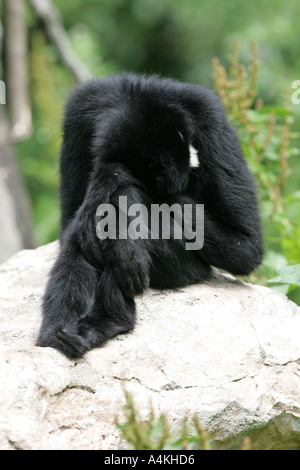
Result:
x=140 y=137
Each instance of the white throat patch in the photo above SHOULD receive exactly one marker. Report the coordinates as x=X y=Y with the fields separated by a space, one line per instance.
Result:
x=194 y=160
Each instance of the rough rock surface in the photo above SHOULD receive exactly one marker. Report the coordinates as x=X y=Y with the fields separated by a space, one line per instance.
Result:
x=226 y=350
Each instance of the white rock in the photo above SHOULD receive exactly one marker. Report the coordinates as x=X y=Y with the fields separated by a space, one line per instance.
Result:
x=225 y=350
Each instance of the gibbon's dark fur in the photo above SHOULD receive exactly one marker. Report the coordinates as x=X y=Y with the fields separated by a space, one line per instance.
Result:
x=130 y=136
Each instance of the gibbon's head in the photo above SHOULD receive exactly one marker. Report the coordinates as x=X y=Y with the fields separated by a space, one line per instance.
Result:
x=154 y=141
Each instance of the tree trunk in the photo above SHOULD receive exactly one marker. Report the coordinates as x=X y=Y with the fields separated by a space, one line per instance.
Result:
x=16 y=46
x=49 y=15
x=15 y=221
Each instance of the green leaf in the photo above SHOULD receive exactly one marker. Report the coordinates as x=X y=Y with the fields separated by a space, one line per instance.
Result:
x=288 y=275
x=276 y=109
x=283 y=288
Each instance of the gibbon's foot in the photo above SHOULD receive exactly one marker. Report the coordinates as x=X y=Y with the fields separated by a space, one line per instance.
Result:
x=76 y=339
x=66 y=339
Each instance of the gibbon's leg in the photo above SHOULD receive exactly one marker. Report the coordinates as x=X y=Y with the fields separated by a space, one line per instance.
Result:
x=89 y=296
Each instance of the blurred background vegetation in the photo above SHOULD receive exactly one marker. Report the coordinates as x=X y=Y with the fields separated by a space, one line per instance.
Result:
x=182 y=39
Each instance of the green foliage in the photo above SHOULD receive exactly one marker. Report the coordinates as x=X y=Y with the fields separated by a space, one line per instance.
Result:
x=264 y=131
x=266 y=138
x=288 y=279
x=155 y=433
x=178 y=38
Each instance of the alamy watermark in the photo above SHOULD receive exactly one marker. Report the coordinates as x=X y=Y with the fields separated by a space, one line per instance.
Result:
x=296 y=94
x=179 y=222
x=2 y=92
